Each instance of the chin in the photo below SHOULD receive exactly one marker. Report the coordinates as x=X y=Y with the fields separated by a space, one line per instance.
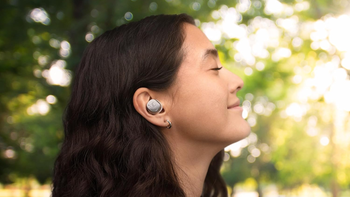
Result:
x=248 y=130
x=240 y=133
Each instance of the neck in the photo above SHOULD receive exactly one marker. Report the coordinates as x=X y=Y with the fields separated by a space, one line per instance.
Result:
x=191 y=162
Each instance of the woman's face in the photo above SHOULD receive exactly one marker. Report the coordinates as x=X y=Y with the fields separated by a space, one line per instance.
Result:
x=202 y=98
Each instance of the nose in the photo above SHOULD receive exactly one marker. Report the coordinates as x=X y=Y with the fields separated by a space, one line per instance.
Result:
x=235 y=83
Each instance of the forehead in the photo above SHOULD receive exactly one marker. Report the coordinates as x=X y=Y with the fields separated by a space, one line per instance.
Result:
x=195 y=44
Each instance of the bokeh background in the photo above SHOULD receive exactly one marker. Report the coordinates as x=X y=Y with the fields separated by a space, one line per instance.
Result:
x=293 y=55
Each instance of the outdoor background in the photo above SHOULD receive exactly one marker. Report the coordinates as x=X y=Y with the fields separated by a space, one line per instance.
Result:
x=293 y=55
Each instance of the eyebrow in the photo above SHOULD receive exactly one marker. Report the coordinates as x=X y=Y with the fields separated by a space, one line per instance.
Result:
x=209 y=52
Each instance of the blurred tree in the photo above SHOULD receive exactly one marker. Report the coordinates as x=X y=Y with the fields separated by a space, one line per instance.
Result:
x=299 y=134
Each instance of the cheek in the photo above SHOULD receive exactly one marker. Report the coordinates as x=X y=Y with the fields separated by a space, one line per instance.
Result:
x=201 y=109
x=205 y=97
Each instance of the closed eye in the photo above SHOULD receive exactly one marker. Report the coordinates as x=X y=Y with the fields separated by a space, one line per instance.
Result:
x=217 y=68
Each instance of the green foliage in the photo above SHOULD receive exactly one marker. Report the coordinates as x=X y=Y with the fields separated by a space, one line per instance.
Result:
x=285 y=153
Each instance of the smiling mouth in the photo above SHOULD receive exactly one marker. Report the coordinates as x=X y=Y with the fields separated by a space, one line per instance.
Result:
x=235 y=106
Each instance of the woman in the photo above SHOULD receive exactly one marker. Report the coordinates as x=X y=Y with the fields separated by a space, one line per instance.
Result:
x=150 y=113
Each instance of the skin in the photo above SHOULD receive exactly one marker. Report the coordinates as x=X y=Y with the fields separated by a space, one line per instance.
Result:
x=197 y=104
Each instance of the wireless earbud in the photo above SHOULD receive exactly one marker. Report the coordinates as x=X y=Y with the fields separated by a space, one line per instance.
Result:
x=154 y=106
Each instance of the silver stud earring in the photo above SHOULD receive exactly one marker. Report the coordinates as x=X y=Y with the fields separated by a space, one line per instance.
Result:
x=154 y=106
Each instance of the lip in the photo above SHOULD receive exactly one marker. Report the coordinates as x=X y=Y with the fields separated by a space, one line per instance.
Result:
x=235 y=105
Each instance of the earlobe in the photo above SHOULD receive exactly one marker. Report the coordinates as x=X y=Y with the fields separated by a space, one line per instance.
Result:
x=148 y=107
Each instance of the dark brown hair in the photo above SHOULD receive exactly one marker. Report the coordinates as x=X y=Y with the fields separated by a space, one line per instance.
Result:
x=109 y=148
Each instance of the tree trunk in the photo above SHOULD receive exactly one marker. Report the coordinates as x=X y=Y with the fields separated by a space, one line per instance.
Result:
x=335 y=188
x=233 y=191
x=258 y=189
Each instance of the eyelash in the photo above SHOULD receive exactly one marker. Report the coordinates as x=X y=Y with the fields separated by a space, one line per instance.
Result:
x=217 y=68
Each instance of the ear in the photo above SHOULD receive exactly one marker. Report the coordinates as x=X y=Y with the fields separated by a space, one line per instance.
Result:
x=140 y=99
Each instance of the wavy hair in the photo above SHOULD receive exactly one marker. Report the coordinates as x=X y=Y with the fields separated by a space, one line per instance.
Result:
x=109 y=149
